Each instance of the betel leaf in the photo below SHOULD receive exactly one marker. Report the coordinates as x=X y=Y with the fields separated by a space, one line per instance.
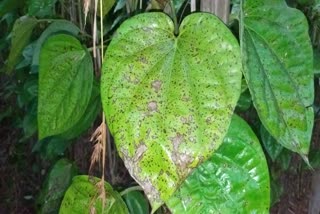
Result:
x=21 y=34
x=58 y=26
x=83 y=197
x=55 y=185
x=65 y=84
x=278 y=66
x=169 y=99
x=41 y=8
x=234 y=180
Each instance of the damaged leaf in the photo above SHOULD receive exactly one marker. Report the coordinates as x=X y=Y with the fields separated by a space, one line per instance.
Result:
x=169 y=99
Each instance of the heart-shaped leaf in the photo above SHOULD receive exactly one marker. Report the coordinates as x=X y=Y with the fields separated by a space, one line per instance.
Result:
x=169 y=99
x=83 y=197
x=234 y=180
x=65 y=84
x=277 y=56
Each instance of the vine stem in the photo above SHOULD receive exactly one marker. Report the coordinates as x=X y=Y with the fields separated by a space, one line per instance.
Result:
x=104 y=130
x=130 y=189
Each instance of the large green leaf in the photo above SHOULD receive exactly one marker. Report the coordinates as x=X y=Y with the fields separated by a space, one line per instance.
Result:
x=21 y=34
x=169 y=99
x=58 y=26
x=82 y=197
x=234 y=180
x=65 y=84
x=277 y=57
x=55 y=185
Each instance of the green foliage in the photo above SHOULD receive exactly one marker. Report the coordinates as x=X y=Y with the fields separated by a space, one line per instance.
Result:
x=21 y=33
x=7 y=6
x=41 y=8
x=272 y=147
x=65 y=70
x=83 y=197
x=279 y=77
x=169 y=99
x=136 y=203
x=234 y=180
x=55 y=185
x=58 y=26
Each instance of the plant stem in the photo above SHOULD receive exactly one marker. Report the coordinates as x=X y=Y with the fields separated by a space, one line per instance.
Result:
x=130 y=189
x=174 y=17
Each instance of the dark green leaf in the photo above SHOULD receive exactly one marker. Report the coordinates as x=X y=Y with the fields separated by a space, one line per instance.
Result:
x=272 y=147
x=9 y=5
x=65 y=84
x=21 y=33
x=41 y=8
x=169 y=100
x=278 y=62
x=58 y=26
x=234 y=180
x=83 y=196
x=55 y=185
x=244 y=101
x=284 y=159
x=51 y=148
x=136 y=203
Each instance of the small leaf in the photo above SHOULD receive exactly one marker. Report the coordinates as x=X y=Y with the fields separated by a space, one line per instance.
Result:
x=136 y=203
x=58 y=26
x=65 y=79
x=277 y=57
x=169 y=99
x=55 y=185
x=83 y=195
x=106 y=7
x=21 y=34
x=234 y=180
x=272 y=147
x=41 y=8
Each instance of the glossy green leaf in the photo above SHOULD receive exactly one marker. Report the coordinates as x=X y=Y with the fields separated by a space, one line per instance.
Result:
x=65 y=84
x=41 y=8
x=272 y=147
x=278 y=66
x=88 y=117
x=169 y=99
x=234 y=180
x=136 y=203
x=21 y=34
x=55 y=185
x=83 y=197
x=58 y=26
